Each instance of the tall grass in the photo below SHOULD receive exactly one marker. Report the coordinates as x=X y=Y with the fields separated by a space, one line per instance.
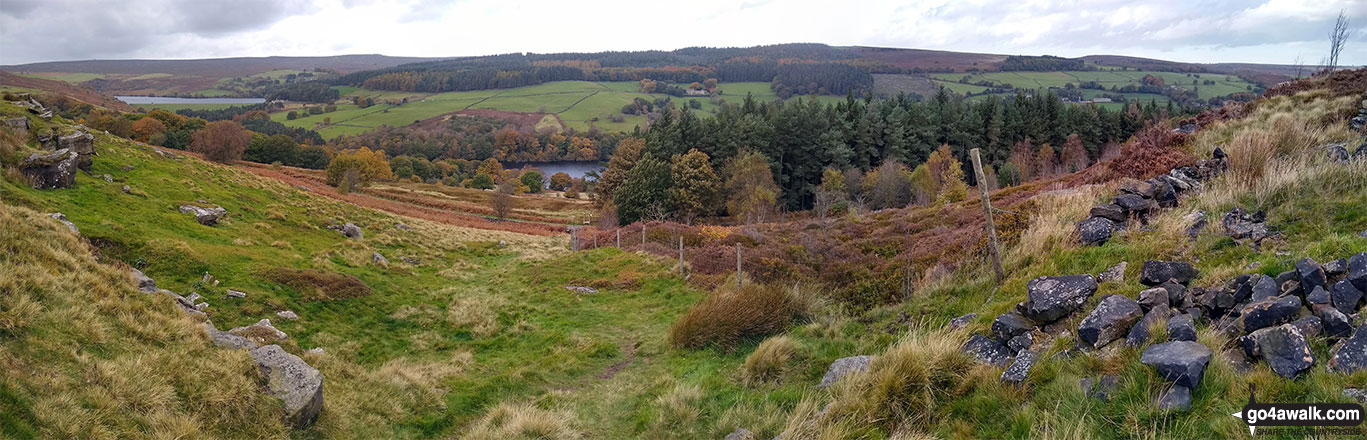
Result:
x=729 y=316
x=770 y=360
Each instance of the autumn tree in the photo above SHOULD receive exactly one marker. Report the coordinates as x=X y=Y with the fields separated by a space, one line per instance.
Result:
x=533 y=180
x=695 y=185
x=623 y=160
x=502 y=201
x=751 y=192
x=891 y=186
x=1023 y=159
x=221 y=141
x=144 y=129
x=370 y=165
x=831 y=192
x=1046 y=165
x=561 y=181
x=1074 y=156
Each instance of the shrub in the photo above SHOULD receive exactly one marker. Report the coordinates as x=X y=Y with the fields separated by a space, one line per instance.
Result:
x=221 y=141
x=727 y=317
x=769 y=361
x=317 y=285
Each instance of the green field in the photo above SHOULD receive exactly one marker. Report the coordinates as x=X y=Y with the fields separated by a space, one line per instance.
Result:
x=174 y=107
x=1224 y=84
x=73 y=78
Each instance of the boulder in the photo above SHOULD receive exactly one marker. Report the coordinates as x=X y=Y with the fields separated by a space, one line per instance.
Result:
x=18 y=124
x=52 y=170
x=1139 y=333
x=1357 y=394
x=1137 y=187
x=227 y=340
x=1113 y=274
x=1336 y=268
x=1164 y=194
x=843 y=367
x=144 y=282
x=1309 y=326
x=1135 y=204
x=1245 y=226
x=1317 y=296
x=205 y=216
x=1182 y=328
x=1157 y=272
x=1344 y=296
x=1110 y=320
x=62 y=218
x=1337 y=152
x=1196 y=222
x=1269 y=313
x=1051 y=298
x=740 y=434
x=962 y=321
x=1009 y=325
x=83 y=144
x=1021 y=342
x=987 y=351
x=352 y=231
x=1109 y=211
x=1264 y=288
x=1357 y=271
x=1311 y=274
x=1175 y=398
x=1215 y=301
x=376 y=258
x=1020 y=368
x=1335 y=323
x=262 y=332
x=1177 y=294
x=1283 y=347
x=292 y=380
x=1183 y=362
x=1351 y=355
x=287 y=314
x=1095 y=230
x=1150 y=298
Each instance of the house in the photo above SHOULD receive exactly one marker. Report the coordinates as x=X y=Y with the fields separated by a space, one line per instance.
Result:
x=696 y=92
x=1098 y=100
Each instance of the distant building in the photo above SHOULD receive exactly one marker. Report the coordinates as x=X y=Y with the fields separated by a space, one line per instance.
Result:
x=1101 y=99
x=696 y=92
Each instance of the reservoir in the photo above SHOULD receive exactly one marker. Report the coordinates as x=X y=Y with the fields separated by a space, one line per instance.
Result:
x=575 y=169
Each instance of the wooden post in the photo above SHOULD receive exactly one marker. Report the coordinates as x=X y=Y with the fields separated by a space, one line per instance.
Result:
x=595 y=238
x=619 y=238
x=681 y=255
x=991 y=229
x=574 y=242
x=738 y=272
x=643 y=235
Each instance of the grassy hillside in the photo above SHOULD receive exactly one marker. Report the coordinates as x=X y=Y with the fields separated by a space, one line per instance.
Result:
x=1224 y=84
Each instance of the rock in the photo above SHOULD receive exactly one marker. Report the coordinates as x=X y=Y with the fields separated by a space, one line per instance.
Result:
x=293 y=381
x=1270 y=312
x=83 y=144
x=1110 y=211
x=1099 y=389
x=1357 y=271
x=1021 y=342
x=1283 y=347
x=303 y=188
x=1150 y=298
x=843 y=367
x=62 y=218
x=236 y=294
x=1337 y=152
x=411 y=260
x=1139 y=333
x=403 y=227
x=1114 y=274
x=1051 y=298
x=227 y=340
x=127 y=168
x=1182 y=328
x=1311 y=274
x=1009 y=325
x=126 y=189
x=314 y=351
x=1095 y=230
x=194 y=296
x=205 y=216
x=1244 y=226
x=1020 y=368
x=1183 y=362
x=1157 y=272
x=1335 y=322
x=1176 y=398
x=1344 y=296
x=1177 y=294
x=1164 y=194
x=18 y=124
x=1351 y=355
x=1196 y=222
x=740 y=434
x=502 y=243
x=145 y=283
x=1137 y=187
x=1264 y=288
x=52 y=170
x=962 y=321
x=1360 y=395
x=1318 y=296
x=376 y=258
x=1292 y=287
x=986 y=350
x=1135 y=204
x=1110 y=320
x=1218 y=154
x=1215 y=301
x=1336 y=268
x=1309 y=326
x=581 y=290
x=352 y=231
x=287 y=314
x=1188 y=128
x=261 y=332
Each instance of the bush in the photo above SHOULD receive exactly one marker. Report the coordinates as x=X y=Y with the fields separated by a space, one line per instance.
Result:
x=317 y=285
x=727 y=317
x=533 y=180
x=221 y=141
x=769 y=361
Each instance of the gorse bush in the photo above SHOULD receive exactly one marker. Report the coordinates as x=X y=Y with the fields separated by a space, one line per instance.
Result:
x=727 y=316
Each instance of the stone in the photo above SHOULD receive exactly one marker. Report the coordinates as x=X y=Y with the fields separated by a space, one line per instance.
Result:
x=62 y=218
x=83 y=144
x=1336 y=268
x=1164 y=194
x=1335 y=322
x=352 y=231
x=1215 y=301
x=1264 y=288
x=1137 y=187
x=1095 y=230
x=1134 y=204
x=1009 y=325
x=1176 y=398
x=1182 y=328
x=292 y=380
x=1344 y=296
x=1311 y=274
x=1242 y=286
x=1177 y=294
x=1020 y=368
x=1109 y=211
x=1021 y=342
x=1196 y=222
x=205 y=216
x=1337 y=152
x=1150 y=298
x=1114 y=274
x=126 y=189
x=1100 y=389
x=1051 y=298
x=1309 y=326
x=287 y=314
x=581 y=290
x=1139 y=333
x=194 y=296
x=1183 y=362
x=843 y=367
x=145 y=283
x=1318 y=296
x=1292 y=287
x=19 y=124
x=403 y=227
x=127 y=168
x=50 y=171
x=1269 y=313
x=1157 y=272
x=962 y=321
x=987 y=351
x=1218 y=154
x=1111 y=320
x=236 y=293
x=1244 y=226
x=1357 y=271
x=740 y=434
x=1358 y=394
x=1351 y=355
x=376 y=258
x=1283 y=347
x=411 y=260
x=314 y=351
x=261 y=332
x=227 y=340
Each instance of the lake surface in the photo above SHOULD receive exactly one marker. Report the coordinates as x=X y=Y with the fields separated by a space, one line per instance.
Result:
x=548 y=169
x=169 y=100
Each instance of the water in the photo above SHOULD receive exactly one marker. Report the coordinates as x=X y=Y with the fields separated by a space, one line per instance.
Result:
x=573 y=168
x=135 y=100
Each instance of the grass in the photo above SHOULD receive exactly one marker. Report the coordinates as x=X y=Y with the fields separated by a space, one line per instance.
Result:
x=174 y=107
x=730 y=316
x=73 y=78
x=1224 y=84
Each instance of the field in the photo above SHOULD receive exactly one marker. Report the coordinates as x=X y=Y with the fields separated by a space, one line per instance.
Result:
x=1224 y=84
x=174 y=107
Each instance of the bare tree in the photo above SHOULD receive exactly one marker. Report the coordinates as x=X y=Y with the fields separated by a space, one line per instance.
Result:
x=1337 y=38
x=502 y=201
x=825 y=200
x=1299 y=64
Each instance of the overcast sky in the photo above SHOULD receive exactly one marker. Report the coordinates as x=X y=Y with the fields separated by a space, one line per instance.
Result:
x=1272 y=31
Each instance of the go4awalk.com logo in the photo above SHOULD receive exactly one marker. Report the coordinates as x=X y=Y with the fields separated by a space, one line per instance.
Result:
x=1335 y=418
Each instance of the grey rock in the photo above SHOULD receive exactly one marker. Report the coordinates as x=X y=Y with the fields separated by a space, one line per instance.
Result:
x=1137 y=187
x=843 y=367
x=126 y=189
x=1345 y=297
x=1182 y=328
x=1109 y=211
x=411 y=260
x=52 y=170
x=1318 y=296
x=1351 y=355
x=83 y=144
x=1009 y=325
x=1051 y=298
x=1150 y=298
x=1283 y=347
x=740 y=434
x=1177 y=294
x=127 y=168
x=1264 y=288
x=205 y=216
x=1358 y=394
x=1139 y=333
x=260 y=332
x=1110 y=320
x=287 y=314
x=1183 y=362
x=292 y=380
x=1357 y=271
x=1157 y=272
x=1164 y=194
x=236 y=293
x=1335 y=323
x=144 y=282
x=227 y=340
x=1309 y=326
x=62 y=218
x=1020 y=368
x=314 y=350
x=1337 y=152
x=1336 y=267
x=1114 y=274
x=194 y=296
x=1311 y=274
x=987 y=351
x=1245 y=226
x=1095 y=230
x=1176 y=398
x=1135 y=204
x=403 y=227
x=1021 y=342
x=352 y=231
x=376 y=258
x=962 y=321
x=582 y=290
x=1269 y=313
x=1099 y=389
x=1196 y=222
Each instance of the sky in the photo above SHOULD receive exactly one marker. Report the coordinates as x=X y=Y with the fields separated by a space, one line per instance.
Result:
x=1272 y=31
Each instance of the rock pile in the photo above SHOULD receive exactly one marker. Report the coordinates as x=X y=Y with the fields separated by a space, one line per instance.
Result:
x=1138 y=199
x=1246 y=227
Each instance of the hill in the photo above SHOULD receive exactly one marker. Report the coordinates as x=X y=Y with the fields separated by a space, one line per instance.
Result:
x=16 y=83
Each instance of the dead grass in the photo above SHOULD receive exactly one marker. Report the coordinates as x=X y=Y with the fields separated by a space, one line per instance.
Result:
x=514 y=421
x=727 y=316
x=770 y=360
x=317 y=285
x=1055 y=224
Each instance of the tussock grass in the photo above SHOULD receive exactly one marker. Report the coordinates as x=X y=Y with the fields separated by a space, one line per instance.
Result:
x=729 y=316
x=1055 y=224
x=770 y=360
x=523 y=421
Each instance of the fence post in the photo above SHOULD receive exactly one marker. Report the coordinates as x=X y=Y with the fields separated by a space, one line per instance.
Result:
x=643 y=235
x=681 y=270
x=574 y=242
x=991 y=228
x=619 y=237
x=738 y=272
x=595 y=238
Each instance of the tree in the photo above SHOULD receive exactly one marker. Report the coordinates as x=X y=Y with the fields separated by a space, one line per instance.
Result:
x=948 y=174
x=480 y=181
x=272 y=149
x=1338 y=36
x=561 y=181
x=1074 y=156
x=533 y=179
x=292 y=115
x=751 y=191
x=892 y=186
x=371 y=166
x=492 y=168
x=221 y=141
x=314 y=157
x=1045 y=163
x=147 y=127
x=502 y=201
x=645 y=188
x=831 y=192
x=695 y=188
x=628 y=152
